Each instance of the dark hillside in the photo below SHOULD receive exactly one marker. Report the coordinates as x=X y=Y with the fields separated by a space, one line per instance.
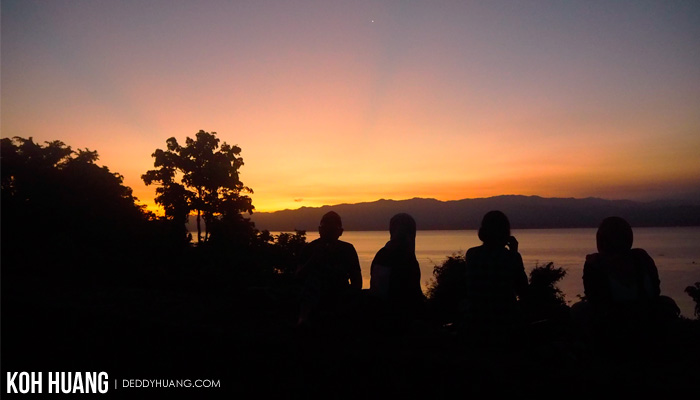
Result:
x=525 y=212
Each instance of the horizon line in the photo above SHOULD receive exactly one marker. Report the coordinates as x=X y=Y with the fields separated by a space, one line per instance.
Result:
x=689 y=202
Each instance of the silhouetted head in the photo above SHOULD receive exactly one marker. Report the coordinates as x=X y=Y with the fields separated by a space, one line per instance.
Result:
x=331 y=227
x=614 y=236
x=402 y=227
x=495 y=229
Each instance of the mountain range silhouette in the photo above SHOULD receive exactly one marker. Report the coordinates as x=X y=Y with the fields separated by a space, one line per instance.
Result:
x=525 y=212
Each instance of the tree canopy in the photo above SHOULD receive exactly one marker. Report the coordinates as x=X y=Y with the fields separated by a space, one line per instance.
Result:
x=201 y=176
x=55 y=199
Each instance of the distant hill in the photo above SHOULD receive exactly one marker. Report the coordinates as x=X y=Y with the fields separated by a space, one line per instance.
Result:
x=525 y=212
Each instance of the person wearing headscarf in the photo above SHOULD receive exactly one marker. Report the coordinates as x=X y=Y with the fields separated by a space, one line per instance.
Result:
x=622 y=287
x=395 y=272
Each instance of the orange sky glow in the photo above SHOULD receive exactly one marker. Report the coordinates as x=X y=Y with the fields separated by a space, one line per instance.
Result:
x=353 y=102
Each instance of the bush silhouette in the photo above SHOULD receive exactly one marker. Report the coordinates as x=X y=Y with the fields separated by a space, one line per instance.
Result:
x=446 y=288
x=544 y=300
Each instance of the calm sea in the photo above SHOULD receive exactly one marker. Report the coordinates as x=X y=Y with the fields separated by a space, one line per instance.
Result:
x=676 y=252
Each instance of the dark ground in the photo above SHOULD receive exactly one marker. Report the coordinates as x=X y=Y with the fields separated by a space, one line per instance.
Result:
x=189 y=328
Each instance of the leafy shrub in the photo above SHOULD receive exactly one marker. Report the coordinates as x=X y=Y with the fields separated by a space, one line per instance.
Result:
x=447 y=287
x=544 y=300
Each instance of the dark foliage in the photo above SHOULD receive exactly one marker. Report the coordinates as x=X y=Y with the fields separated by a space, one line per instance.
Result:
x=91 y=282
x=60 y=209
x=446 y=289
x=208 y=184
x=281 y=252
x=544 y=300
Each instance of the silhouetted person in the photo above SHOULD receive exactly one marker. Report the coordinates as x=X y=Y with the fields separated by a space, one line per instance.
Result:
x=494 y=277
x=330 y=271
x=395 y=272
x=623 y=303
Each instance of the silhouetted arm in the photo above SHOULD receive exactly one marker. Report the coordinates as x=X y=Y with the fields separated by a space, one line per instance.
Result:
x=650 y=269
x=521 y=281
x=595 y=286
x=512 y=244
x=469 y=281
x=355 y=272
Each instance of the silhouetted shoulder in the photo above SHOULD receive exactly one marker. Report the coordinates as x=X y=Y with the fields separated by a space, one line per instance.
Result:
x=473 y=251
x=346 y=249
x=641 y=255
x=313 y=243
x=346 y=245
x=309 y=249
x=486 y=253
x=382 y=256
x=646 y=263
x=592 y=258
x=516 y=256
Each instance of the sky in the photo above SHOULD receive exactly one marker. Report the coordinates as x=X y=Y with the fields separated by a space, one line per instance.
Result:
x=351 y=101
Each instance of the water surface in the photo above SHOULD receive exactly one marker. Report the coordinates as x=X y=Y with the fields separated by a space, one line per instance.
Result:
x=676 y=252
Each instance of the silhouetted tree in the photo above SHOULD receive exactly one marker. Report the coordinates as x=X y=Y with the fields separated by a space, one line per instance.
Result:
x=278 y=255
x=208 y=180
x=56 y=201
x=288 y=247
